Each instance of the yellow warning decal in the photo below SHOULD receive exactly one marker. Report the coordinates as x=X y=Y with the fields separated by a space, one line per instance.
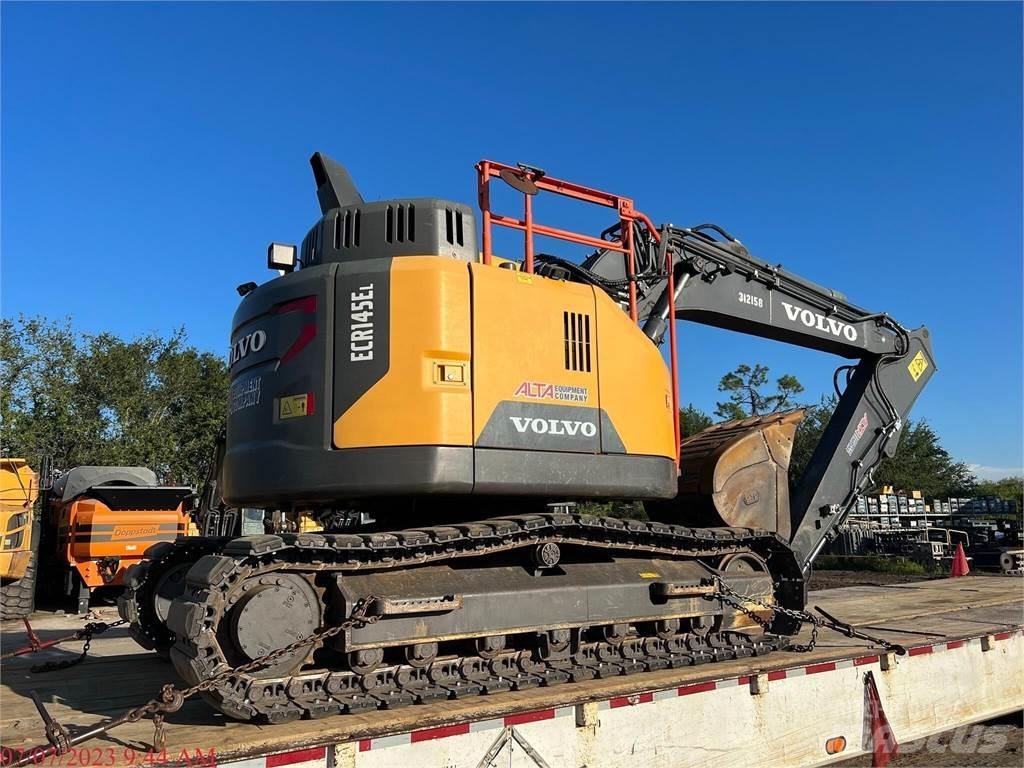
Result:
x=649 y=575
x=523 y=277
x=917 y=365
x=293 y=406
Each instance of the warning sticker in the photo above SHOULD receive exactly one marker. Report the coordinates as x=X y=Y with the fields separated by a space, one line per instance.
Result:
x=917 y=365
x=293 y=406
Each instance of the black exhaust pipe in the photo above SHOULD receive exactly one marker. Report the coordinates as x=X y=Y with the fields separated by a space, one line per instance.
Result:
x=334 y=187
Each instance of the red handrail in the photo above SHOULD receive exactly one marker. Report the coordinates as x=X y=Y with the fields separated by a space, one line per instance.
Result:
x=488 y=169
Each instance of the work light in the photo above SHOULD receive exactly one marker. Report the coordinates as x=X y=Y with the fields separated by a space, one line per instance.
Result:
x=281 y=256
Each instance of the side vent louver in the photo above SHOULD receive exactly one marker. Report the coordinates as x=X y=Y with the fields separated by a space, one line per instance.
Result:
x=346 y=229
x=400 y=224
x=307 y=250
x=453 y=227
x=577 y=341
x=310 y=247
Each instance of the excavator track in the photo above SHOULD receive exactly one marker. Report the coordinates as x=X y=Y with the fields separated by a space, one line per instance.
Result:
x=295 y=572
x=154 y=582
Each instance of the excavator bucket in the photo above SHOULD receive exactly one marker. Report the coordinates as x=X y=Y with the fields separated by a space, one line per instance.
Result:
x=737 y=473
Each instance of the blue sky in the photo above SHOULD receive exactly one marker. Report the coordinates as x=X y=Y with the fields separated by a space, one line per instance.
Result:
x=150 y=152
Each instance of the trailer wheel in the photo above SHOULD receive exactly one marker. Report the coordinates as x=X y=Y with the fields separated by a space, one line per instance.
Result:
x=17 y=598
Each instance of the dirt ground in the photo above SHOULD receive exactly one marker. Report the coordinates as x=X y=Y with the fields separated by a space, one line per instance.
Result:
x=832 y=579
x=996 y=744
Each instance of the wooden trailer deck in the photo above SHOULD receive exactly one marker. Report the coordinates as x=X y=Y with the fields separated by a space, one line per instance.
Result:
x=935 y=615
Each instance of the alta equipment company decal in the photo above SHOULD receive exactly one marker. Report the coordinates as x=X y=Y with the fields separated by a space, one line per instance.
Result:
x=244 y=394
x=539 y=390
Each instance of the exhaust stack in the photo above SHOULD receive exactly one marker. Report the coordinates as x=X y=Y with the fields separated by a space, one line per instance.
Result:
x=334 y=187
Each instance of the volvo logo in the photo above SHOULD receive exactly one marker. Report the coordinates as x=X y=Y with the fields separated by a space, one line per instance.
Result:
x=251 y=342
x=554 y=426
x=819 y=322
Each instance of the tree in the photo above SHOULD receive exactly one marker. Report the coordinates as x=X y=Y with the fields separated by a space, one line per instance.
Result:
x=100 y=399
x=920 y=463
x=693 y=420
x=808 y=435
x=745 y=396
x=1009 y=488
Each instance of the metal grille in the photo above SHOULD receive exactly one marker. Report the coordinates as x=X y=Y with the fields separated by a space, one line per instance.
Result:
x=346 y=229
x=400 y=223
x=576 y=327
x=453 y=232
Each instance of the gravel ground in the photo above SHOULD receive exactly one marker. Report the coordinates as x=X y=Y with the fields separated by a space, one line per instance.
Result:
x=828 y=579
x=833 y=579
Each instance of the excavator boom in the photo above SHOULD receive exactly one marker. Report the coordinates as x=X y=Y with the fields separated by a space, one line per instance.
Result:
x=717 y=282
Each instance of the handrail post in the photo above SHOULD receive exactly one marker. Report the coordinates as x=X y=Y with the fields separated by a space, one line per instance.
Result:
x=528 y=232
x=673 y=358
x=626 y=225
x=484 y=200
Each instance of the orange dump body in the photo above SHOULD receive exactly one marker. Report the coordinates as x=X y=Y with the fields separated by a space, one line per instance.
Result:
x=101 y=543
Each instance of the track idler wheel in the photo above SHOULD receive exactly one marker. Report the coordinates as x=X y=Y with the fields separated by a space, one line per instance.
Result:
x=169 y=585
x=743 y=564
x=151 y=586
x=747 y=564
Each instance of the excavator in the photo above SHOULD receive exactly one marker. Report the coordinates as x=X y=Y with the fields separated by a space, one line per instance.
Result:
x=448 y=414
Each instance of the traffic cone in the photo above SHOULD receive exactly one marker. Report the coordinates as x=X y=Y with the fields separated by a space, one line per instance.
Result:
x=883 y=741
x=960 y=566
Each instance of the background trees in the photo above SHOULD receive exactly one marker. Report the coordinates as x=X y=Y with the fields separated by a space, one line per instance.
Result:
x=100 y=399
x=693 y=420
x=746 y=398
x=1009 y=488
x=920 y=463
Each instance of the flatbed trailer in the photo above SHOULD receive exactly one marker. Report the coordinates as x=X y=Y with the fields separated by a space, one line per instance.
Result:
x=965 y=641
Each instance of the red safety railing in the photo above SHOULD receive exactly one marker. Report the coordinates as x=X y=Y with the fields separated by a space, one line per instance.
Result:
x=535 y=181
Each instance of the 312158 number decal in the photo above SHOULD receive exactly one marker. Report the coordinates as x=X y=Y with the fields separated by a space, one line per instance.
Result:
x=749 y=298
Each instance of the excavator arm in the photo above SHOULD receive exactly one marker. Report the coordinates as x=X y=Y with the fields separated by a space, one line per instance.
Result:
x=718 y=282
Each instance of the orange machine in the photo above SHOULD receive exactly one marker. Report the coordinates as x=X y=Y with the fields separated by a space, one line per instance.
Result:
x=101 y=520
